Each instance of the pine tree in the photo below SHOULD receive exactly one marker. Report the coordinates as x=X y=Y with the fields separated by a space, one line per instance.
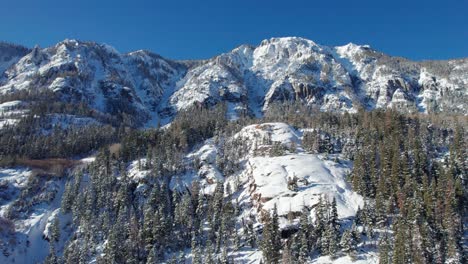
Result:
x=400 y=250
x=196 y=255
x=84 y=252
x=381 y=204
x=151 y=259
x=209 y=258
x=71 y=254
x=346 y=242
x=385 y=250
x=224 y=256
x=67 y=200
x=321 y=226
x=173 y=260
x=358 y=172
x=332 y=243
x=305 y=230
x=51 y=258
x=55 y=230
x=349 y=242
x=287 y=256
x=249 y=232
x=111 y=248
x=304 y=248
x=148 y=227
x=333 y=231
x=271 y=240
x=237 y=242
x=160 y=228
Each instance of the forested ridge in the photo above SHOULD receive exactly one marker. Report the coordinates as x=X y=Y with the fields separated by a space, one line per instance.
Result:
x=410 y=169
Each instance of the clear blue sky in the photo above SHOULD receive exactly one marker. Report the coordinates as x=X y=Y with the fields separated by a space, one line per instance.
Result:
x=203 y=28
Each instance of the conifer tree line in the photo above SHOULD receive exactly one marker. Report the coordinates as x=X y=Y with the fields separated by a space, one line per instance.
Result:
x=411 y=170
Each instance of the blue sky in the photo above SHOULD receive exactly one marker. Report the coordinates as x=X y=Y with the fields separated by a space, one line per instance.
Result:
x=201 y=29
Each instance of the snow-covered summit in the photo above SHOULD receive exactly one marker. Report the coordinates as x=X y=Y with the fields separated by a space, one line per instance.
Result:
x=341 y=78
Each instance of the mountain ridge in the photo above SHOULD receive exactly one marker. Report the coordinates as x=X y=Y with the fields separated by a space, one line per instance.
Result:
x=247 y=78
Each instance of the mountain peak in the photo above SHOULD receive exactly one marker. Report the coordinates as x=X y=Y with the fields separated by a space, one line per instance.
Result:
x=287 y=41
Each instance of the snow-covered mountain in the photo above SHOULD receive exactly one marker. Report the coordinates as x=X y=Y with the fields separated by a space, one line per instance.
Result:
x=248 y=78
x=96 y=74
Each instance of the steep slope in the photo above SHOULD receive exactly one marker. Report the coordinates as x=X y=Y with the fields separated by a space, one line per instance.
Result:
x=30 y=199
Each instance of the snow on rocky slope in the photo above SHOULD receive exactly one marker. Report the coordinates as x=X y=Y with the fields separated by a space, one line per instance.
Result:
x=248 y=78
x=32 y=200
x=264 y=179
x=386 y=81
x=316 y=177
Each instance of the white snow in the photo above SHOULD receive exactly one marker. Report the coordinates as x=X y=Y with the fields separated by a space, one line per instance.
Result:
x=88 y=159
x=135 y=170
x=276 y=132
x=10 y=112
x=9 y=105
x=316 y=177
x=65 y=121
x=7 y=122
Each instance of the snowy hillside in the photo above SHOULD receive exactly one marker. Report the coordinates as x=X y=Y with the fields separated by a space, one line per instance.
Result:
x=262 y=180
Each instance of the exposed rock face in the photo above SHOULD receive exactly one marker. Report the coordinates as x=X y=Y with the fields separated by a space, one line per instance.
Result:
x=248 y=78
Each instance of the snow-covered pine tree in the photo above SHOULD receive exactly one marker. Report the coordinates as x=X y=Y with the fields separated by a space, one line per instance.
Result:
x=271 y=239
x=151 y=259
x=209 y=253
x=385 y=250
x=223 y=259
x=52 y=257
x=349 y=241
x=55 y=230
x=304 y=252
